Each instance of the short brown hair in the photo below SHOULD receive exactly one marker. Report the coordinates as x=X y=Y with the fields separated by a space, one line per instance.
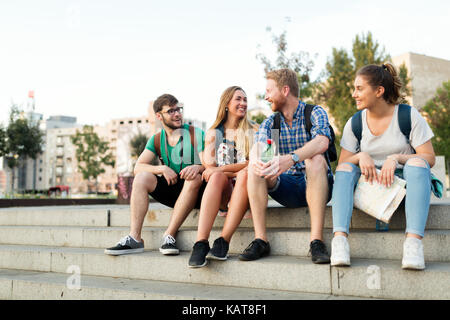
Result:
x=164 y=100
x=285 y=77
x=385 y=76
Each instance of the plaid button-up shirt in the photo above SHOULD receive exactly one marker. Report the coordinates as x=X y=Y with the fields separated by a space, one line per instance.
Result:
x=296 y=137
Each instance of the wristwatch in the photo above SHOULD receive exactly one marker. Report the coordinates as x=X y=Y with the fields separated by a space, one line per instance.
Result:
x=295 y=158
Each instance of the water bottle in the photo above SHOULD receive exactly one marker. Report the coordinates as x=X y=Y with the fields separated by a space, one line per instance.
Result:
x=268 y=152
x=381 y=226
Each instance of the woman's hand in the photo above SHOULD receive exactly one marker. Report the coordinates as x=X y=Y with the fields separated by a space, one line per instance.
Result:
x=208 y=172
x=388 y=170
x=367 y=167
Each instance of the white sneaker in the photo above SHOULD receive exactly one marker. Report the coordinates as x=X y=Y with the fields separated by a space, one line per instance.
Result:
x=340 y=251
x=413 y=254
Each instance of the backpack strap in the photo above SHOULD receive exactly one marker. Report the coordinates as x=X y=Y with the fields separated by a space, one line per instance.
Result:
x=357 y=127
x=157 y=142
x=404 y=119
x=404 y=122
x=307 y=113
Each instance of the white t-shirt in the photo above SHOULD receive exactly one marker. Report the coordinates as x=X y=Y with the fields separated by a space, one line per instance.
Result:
x=392 y=141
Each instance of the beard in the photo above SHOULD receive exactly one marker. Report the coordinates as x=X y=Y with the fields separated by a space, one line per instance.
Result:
x=170 y=125
x=278 y=104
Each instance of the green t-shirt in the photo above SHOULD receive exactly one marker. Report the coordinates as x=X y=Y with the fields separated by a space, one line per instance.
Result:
x=189 y=157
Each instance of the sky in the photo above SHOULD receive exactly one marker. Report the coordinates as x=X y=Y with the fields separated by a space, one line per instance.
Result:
x=107 y=59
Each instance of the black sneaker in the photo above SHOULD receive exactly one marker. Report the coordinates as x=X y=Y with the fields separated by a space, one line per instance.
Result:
x=257 y=249
x=168 y=246
x=219 y=250
x=319 y=253
x=198 y=256
x=126 y=245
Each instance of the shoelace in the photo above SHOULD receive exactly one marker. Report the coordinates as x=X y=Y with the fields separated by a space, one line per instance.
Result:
x=168 y=239
x=124 y=240
x=317 y=246
x=253 y=243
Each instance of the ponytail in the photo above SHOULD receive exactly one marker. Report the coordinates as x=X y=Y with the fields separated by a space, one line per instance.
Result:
x=385 y=76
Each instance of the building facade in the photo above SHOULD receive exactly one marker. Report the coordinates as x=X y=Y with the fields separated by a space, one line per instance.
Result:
x=426 y=74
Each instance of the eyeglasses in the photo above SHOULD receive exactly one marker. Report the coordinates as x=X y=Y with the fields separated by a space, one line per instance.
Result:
x=171 y=112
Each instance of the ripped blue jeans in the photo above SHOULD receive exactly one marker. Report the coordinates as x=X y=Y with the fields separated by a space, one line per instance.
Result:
x=417 y=203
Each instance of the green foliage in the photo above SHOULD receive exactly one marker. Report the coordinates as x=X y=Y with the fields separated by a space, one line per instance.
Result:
x=3 y=146
x=92 y=153
x=340 y=71
x=436 y=111
x=406 y=90
x=137 y=144
x=22 y=137
x=259 y=117
x=299 y=61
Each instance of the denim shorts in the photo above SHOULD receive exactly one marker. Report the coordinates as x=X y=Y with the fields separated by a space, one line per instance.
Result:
x=290 y=190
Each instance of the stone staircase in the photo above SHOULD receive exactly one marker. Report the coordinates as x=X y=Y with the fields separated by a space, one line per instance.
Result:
x=57 y=253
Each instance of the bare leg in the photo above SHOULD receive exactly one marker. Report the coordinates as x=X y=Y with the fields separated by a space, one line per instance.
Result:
x=143 y=184
x=316 y=193
x=258 y=197
x=217 y=185
x=184 y=205
x=237 y=207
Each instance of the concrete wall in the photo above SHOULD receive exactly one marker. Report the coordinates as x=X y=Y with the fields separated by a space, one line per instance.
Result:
x=426 y=73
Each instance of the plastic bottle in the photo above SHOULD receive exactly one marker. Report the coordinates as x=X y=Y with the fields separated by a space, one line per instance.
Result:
x=268 y=152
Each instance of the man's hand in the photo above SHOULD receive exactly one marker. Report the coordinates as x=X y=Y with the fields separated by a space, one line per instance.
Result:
x=170 y=175
x=189 y=173
x=367 y=167
x=274 y=168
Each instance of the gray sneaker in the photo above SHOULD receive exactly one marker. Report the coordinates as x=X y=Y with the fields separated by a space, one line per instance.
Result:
x=126 y=245
x=168 y=246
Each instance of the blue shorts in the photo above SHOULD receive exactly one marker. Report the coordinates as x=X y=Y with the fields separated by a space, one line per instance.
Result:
x=290 y=190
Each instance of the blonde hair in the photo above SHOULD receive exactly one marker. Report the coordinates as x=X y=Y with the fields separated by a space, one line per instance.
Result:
x=245 y=127
x=285 y=77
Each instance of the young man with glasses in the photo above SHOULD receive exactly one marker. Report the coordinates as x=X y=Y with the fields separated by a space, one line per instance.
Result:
x=176 y=183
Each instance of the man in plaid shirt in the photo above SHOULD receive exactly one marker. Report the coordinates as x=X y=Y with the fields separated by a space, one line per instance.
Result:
x=300 y=176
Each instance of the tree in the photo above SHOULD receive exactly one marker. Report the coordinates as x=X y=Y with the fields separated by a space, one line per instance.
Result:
x=259 y=117
x=406 y=90
x=437 y=112
x=137 y=145
x=299 y=61
x=340 y=70
x=3 y=148
x=23 y=139
x=92 y=153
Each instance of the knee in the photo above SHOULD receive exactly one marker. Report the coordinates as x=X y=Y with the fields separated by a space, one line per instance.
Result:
x=194 y=183
x=416 y=162
x=144 y=180
x=217 y=179
x=347 y=167
x=242 y=176
x=316 y=164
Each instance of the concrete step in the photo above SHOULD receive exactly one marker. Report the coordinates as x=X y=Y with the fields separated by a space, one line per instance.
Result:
x=369 y=278
x=368 y=244
x=24 y=285
x=159 y=215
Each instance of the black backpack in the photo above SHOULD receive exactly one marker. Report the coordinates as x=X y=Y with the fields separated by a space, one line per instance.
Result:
x=331 y=153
